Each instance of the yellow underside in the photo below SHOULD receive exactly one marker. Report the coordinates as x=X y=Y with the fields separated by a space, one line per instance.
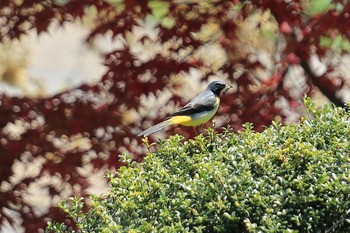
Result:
x=196 y=119
x=182 y=120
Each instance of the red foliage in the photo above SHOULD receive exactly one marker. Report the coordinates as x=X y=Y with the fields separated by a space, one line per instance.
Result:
x=88 y=110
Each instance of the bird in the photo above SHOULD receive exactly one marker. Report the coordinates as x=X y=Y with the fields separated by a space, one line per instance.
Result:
x=197 y=112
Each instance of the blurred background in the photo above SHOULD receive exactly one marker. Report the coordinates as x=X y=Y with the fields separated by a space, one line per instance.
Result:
x=79 y=80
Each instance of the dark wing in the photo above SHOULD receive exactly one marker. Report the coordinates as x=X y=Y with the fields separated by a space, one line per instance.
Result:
x=202 y=102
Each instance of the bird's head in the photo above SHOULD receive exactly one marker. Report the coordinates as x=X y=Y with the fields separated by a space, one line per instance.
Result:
x=217 y=86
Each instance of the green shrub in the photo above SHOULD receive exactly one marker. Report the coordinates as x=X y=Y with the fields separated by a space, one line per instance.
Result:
x=293 y=178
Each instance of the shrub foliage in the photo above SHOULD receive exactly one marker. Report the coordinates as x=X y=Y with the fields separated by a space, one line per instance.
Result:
x=293 y=178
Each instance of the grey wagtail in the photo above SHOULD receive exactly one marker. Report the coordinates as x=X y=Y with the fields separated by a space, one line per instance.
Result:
x=198 y=111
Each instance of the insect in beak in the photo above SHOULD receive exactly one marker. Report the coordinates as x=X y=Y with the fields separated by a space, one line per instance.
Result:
x=228 y=86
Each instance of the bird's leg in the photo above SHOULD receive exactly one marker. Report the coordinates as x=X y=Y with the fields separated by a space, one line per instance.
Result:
x=201 y=128
x=195 y=130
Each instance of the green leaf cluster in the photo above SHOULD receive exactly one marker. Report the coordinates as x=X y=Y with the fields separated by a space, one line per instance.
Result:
x=293 y=178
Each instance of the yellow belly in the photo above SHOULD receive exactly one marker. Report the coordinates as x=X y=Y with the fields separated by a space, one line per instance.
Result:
x=197 y=118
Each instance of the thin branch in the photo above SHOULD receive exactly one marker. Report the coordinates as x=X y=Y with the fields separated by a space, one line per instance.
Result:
x=324 y=89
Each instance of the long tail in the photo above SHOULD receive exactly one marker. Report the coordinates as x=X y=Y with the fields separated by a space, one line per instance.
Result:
x=155 y=128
